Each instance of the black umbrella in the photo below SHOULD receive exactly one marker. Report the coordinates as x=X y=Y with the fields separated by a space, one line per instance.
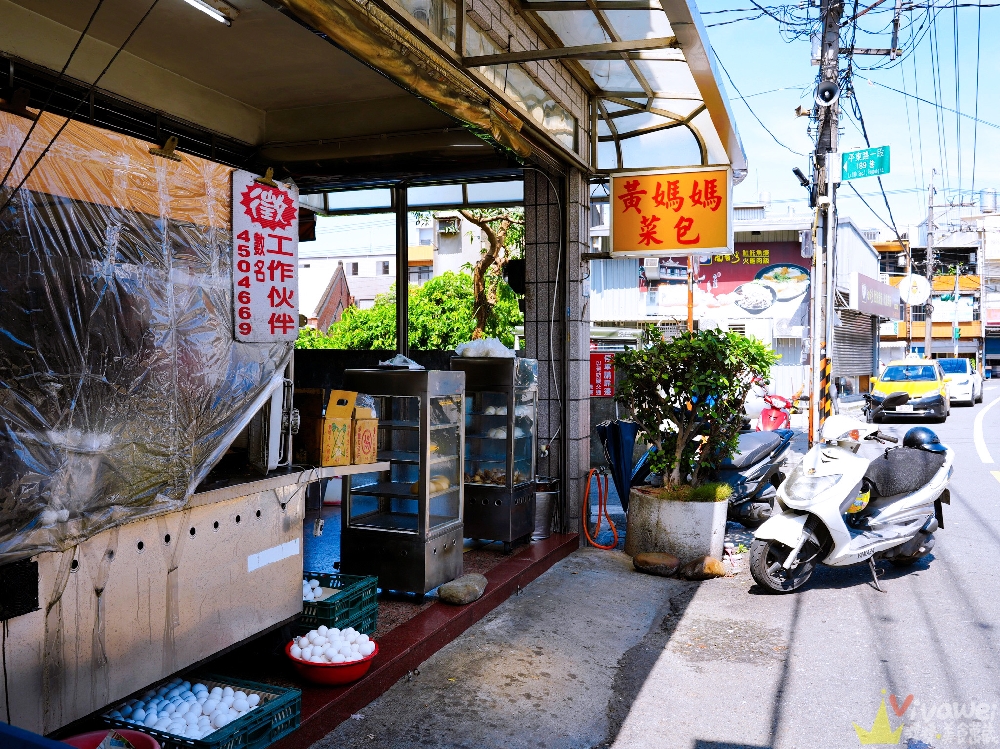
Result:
x=618 y=438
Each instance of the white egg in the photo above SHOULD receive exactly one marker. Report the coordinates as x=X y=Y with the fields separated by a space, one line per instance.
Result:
x=194 y=710
x=241 y=705
x=333 y=632
x=296 y=651
x=161 y=724
x=151 y=720
x=191 y=719
x=219 y=720
x=126 y=711
x=216 y=691
x=199 y=688
x=138 y=714
x=314 y=583
x=363 y=637
x=169 y=708
x=227 y=691
x=253 y=700
x=228 y=700
x=182 y=709
x=323 y=630
x=339 y=658
x=368 y=648
x=176 y=726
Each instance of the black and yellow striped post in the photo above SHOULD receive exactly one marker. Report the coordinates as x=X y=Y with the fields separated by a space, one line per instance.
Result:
x=825 y=401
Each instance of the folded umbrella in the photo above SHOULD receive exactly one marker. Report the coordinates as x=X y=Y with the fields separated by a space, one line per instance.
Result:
x=618 y=439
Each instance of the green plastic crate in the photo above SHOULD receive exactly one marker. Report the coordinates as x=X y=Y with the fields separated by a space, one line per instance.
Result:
x=279 y=714
x=355 y=602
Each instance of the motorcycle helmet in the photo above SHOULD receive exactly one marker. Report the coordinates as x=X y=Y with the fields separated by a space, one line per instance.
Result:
x=923 y=438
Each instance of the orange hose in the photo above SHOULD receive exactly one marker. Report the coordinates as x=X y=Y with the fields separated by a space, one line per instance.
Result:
x=602 y=508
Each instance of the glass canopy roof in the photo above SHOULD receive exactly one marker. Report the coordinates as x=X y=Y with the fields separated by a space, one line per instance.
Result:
x=661 y=101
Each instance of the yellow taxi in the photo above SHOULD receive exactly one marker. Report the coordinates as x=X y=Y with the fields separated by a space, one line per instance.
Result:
x=923 y=380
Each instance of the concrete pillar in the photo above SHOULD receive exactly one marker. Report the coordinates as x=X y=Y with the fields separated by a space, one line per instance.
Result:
x=558 y=335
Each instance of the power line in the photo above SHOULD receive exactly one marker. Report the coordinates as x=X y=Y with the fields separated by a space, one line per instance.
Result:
x=936 y=106
x=751 y=108
x=975 y=126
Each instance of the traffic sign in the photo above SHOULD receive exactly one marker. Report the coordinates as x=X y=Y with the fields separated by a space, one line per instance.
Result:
x=914 y=290
x=869 y=162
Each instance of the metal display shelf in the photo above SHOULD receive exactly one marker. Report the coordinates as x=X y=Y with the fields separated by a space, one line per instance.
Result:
x=501 y=406
x=403 y=525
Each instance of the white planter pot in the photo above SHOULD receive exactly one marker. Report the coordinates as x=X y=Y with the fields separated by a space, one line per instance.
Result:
x=687 y=530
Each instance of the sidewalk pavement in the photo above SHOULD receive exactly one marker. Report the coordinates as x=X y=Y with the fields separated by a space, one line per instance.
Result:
x=578 y=661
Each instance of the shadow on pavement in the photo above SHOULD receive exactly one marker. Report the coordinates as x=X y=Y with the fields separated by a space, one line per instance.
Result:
x=699 y=744
x=638 y=661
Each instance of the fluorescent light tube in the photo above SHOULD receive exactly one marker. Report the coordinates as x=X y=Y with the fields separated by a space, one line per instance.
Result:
x=209 y=10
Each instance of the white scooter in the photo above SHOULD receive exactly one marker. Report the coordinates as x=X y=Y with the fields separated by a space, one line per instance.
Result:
x=838 y=508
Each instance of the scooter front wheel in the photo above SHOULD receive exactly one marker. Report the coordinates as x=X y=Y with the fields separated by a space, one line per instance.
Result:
x=767 y=559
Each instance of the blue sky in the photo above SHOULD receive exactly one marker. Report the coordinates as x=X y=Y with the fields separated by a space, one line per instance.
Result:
x=760 y=60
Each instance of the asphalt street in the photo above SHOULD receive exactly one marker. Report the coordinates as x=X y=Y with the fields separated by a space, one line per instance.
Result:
x=593 y=654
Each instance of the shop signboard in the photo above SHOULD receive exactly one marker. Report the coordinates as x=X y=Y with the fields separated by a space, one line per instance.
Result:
x=872 y=297
x=757 y=280
x=265 y=260
x=671 y=212
x=602 y=375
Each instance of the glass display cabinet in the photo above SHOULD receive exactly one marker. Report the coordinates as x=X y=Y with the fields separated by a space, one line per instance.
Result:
x=501 y=400
x=404 y=524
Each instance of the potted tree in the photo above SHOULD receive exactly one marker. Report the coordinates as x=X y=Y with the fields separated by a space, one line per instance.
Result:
x=687 y=395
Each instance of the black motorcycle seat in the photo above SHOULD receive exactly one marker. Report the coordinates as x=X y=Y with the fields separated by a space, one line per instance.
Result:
x=902 y=470
x=752 y=447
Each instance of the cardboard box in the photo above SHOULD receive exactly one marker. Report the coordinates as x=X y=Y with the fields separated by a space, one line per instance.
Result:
x=335 y=447
x=364 y=442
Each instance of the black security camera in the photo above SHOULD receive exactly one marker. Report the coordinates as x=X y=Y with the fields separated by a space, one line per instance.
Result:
x=803 y=179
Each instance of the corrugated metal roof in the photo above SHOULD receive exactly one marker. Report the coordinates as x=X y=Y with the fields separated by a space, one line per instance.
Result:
x=614 y=290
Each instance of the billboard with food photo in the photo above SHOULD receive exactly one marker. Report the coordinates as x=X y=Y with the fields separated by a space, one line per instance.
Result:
x=767 y=279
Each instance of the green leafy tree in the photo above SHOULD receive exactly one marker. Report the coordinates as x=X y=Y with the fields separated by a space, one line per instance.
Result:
x=687 y=395
x=502 y=238
x=441 y=317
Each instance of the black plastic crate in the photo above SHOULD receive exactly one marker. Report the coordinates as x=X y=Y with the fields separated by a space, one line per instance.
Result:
x=279 y=714
x=355 y=601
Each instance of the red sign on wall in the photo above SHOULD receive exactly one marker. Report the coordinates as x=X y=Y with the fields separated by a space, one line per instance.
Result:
x=265 y=260
x=602 y=375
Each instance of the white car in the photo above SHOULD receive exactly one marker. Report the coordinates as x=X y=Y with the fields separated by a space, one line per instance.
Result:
x=966 y=383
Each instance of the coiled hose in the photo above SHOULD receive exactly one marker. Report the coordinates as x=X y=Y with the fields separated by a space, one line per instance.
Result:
x=602 y=509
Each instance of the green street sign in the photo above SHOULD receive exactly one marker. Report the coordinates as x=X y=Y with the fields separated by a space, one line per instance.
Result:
x=870 y=162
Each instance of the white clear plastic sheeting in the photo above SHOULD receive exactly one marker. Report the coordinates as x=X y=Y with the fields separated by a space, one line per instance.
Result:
x=120 y=381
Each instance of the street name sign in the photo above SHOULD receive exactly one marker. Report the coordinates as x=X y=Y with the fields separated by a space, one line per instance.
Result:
x=869 y=162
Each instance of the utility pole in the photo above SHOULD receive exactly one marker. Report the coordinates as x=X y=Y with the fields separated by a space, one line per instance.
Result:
x=929 y=306
x=826 y=114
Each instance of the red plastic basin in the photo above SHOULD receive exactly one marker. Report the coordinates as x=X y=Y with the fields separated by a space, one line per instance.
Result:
x=331 y=673
x=91 y=740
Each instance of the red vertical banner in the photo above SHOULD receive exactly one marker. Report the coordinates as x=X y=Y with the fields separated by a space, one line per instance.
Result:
x=265 y=260
x=602 y=375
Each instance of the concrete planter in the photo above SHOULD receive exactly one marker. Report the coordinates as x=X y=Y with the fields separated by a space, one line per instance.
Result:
x=685 y=529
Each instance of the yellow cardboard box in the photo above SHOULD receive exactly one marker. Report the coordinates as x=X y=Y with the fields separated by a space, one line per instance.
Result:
x=335 y=440
x=364 y=444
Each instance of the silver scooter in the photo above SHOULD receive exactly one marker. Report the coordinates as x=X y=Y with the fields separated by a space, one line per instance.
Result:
x=838 y=508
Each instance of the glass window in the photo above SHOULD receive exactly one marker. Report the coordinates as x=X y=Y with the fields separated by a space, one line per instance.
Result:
x=910 y=373
x=345 y=200
x=354 y=269
x=384 y=267
x=490 y=192
x=954 y=366
x=435 y=195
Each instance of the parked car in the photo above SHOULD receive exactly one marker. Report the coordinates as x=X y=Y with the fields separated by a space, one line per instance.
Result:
x=966 y=383
x=923 y=380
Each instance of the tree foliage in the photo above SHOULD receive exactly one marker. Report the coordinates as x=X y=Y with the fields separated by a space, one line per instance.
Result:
x=687 y=395
x=503 y=238
x=441 y=317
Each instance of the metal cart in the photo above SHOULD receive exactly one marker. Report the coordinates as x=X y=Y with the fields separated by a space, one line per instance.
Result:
x=501 y=403
x=404 y=524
